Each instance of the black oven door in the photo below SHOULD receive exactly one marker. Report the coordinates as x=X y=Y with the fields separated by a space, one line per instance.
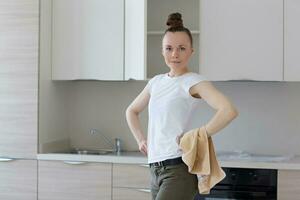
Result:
x=243 y=184
x=225 y=192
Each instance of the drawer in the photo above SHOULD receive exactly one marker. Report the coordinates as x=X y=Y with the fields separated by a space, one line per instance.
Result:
x=131 y=175
x=131 y=194
x=288 y=187
x=18 y=180
x=67 y=180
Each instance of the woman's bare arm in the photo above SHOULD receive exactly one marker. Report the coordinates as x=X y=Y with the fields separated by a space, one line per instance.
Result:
x=226 y=112
x=132 y=117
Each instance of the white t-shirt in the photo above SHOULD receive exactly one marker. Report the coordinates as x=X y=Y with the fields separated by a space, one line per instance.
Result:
x=170 y=108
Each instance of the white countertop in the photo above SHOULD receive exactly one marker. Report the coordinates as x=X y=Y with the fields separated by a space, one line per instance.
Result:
x=124 y=157
x=292 y=163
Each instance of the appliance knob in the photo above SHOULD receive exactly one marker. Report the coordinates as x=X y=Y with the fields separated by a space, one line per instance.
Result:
x=255 y=177
x=233 y=176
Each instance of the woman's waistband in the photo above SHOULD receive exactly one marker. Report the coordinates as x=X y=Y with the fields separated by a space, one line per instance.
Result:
x=173 y=161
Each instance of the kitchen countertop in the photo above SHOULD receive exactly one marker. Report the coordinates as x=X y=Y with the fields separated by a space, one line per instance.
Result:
x=225 y=160
x=132 y=157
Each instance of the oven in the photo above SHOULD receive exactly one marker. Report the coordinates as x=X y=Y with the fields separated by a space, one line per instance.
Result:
x=243 y=184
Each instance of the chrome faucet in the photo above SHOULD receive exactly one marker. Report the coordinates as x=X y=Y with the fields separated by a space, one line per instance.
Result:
x=116 y=146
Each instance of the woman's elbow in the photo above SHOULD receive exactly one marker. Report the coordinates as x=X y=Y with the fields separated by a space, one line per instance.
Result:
x=233 y=112
x=130 y=111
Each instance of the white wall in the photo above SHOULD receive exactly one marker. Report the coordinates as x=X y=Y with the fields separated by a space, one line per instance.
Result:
x=102 y=105
x=269 y=120
x=53 y=96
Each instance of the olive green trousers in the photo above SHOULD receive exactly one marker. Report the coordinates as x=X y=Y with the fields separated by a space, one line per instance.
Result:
x=173 y=182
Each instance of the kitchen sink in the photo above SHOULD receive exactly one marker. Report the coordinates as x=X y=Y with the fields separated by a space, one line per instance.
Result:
x=90 y=152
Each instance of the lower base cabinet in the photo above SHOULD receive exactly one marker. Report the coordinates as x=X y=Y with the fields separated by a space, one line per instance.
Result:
x=288 y=186
x=131 y=194
x=131 y=182
x=18 y=179
x=67 y=180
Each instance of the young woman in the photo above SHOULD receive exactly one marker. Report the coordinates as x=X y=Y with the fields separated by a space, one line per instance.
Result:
x=170 y=98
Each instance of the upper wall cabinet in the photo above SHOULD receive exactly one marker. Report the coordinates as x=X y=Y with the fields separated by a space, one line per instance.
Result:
x=135 y=39
x=291 y=40
x=122 y=39
x=88 y=40
x=242 y=40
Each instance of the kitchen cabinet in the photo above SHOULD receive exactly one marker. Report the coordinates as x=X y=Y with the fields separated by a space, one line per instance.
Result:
x=135 y=39
x=125 y=47
x=131 y=194
x=288 y=186
x=131 y=181
x=233 y=40
x=291 y=40
x=65 y=180
x=18 y=179
x=19 y=37
x=241 y=40
x=19 y=24
x=87 y=40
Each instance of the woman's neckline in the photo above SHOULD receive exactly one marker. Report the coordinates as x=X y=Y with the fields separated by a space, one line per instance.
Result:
x=175 y=77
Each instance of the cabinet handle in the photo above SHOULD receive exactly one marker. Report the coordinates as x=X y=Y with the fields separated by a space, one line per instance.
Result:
x=6 y=159
x=74 y=162
x=144 y=190
x=145 y=166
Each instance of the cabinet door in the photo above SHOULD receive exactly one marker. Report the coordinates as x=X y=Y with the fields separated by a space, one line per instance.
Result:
x=18 y=179
x=19 y=29
x=288 y=186
x=129 y=175
x=291 y=40
x=241 y=40
x=74 y=180
x=88 y=37
x=131 y=194
x=135 y=39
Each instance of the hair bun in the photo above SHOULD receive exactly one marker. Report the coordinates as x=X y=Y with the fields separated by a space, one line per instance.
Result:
x=174 y=20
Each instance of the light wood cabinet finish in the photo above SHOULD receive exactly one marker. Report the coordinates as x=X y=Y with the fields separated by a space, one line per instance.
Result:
x=131 y=194
x=288 y=186
x=131 y=182
x=291 y=40
x=18 y=180
x=130 y=175
x=19 y=29
x=74 y=181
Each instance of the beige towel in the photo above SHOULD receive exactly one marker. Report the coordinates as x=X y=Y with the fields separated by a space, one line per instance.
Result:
x=199 y=155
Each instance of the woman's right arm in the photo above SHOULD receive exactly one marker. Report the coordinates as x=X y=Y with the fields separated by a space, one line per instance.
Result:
x=132 y=117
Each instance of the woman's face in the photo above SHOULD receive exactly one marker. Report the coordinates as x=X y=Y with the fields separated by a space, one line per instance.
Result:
x=177 y=50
